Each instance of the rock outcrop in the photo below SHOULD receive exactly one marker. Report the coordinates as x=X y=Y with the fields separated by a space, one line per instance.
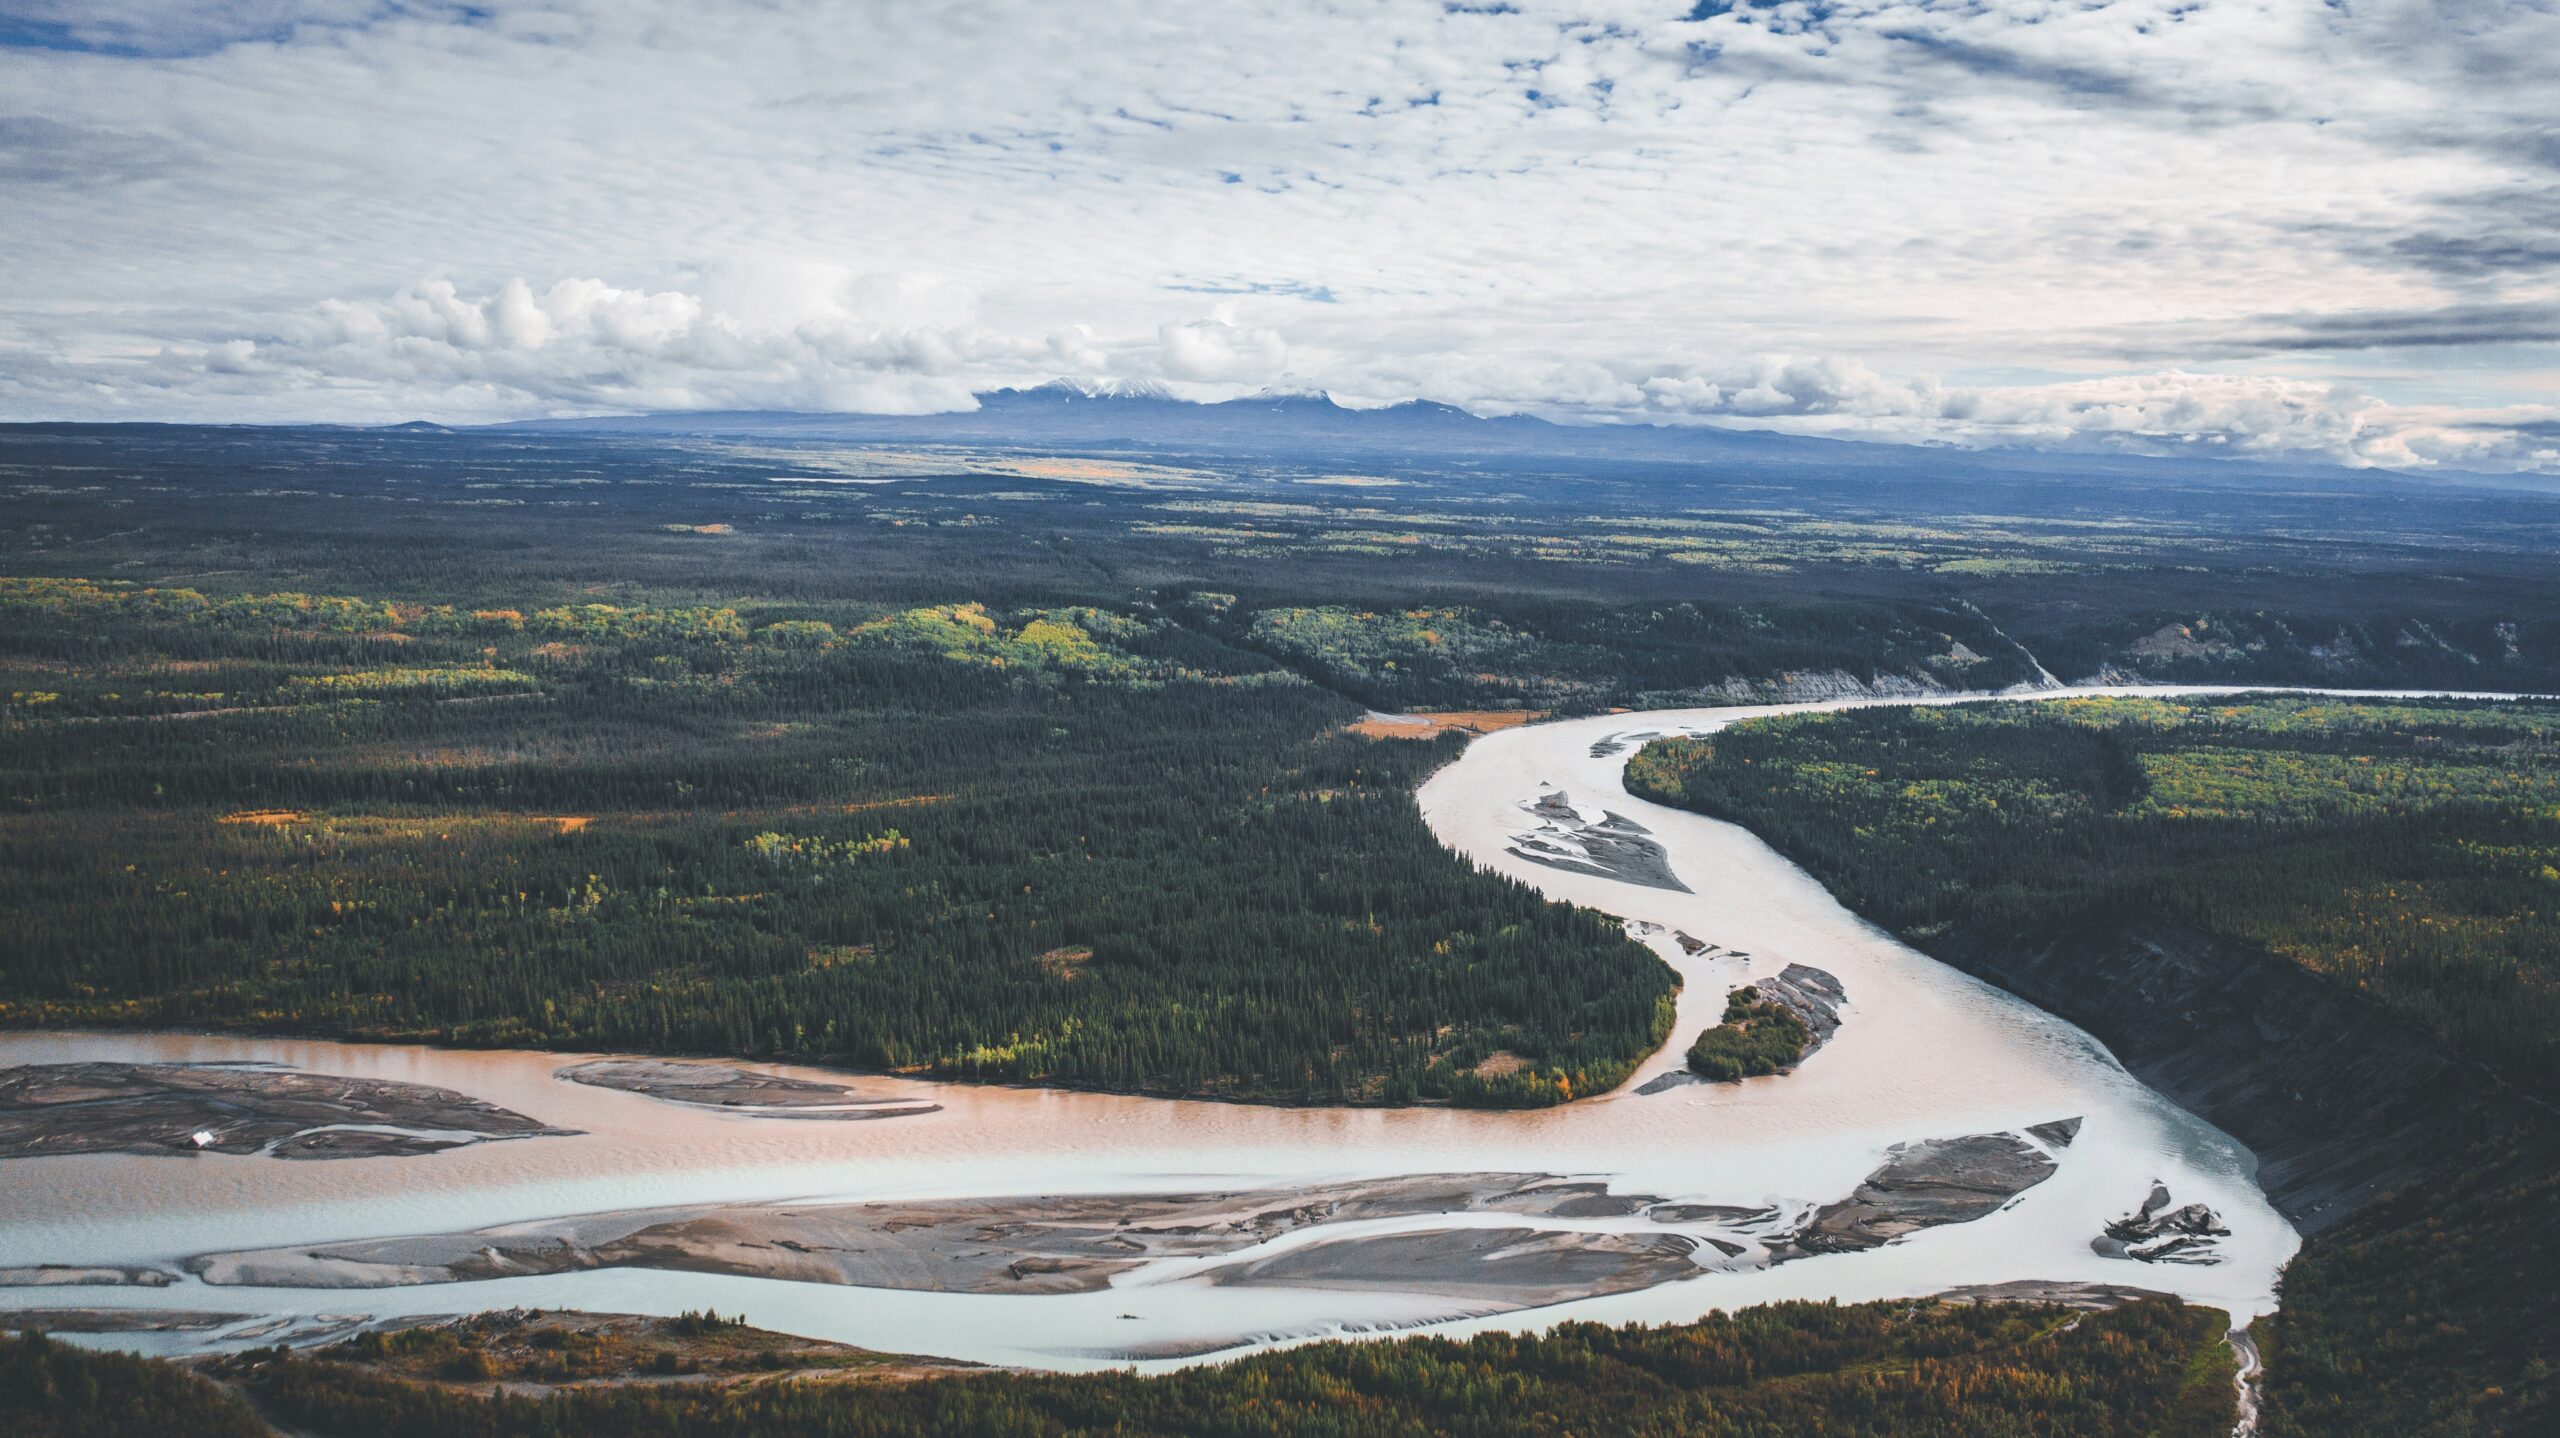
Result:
x=2157 y=1233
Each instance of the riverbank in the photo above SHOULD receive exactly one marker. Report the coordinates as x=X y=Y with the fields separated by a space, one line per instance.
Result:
x=1922 y=1056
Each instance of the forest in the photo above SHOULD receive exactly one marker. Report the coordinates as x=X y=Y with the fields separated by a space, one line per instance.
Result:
x=49 y=1389
x=1878 y=1370
x=2406 y=851
x=1451 y=656
x=1416 y=581
x=1060 y=845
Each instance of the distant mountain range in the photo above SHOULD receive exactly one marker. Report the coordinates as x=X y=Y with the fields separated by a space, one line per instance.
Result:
x=1275 y=422
x=1308 y=425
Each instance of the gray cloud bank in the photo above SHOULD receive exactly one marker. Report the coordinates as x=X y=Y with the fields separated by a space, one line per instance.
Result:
x=2169 y=226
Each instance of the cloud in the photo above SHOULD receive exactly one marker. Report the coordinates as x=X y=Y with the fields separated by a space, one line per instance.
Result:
x=2444 y=327
x=38 y=151
x=1783 y=213
x=2163 y=413
x=753 y=336
x=583 y=345
x=191 y=27
x=1789 y=386
x=2176 y=411
x=825 y=339
x=1213 y=350
x=2477 y=238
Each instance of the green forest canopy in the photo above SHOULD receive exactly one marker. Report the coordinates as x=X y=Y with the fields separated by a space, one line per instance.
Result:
x=1877 y=1370
x=1068 y=845
x=2410 y=850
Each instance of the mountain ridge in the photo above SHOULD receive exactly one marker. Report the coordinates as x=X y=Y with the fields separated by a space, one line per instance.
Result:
x=1287 y=423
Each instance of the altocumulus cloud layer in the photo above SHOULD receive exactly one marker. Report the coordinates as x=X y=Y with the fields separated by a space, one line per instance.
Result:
x=2253 y=227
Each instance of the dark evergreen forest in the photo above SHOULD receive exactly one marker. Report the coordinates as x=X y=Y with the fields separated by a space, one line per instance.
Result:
x=1879 y=1370
x=2406 y=852
x=1067 y=845
x=2410 y=851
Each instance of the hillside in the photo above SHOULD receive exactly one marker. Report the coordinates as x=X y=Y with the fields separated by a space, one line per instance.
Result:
x=2326 y=926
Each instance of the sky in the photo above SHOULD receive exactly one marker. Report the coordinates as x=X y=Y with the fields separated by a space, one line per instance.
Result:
x=2253 y=228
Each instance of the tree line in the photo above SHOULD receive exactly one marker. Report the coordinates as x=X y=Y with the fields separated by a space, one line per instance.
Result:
x=1881 y=1370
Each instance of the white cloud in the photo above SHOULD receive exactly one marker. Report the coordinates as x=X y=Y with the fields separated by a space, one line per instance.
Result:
x=805 y=339
x=583 y=345
x=1789 y=386
x=1218 y=352
x=1785 y=215
x=2170 y=412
